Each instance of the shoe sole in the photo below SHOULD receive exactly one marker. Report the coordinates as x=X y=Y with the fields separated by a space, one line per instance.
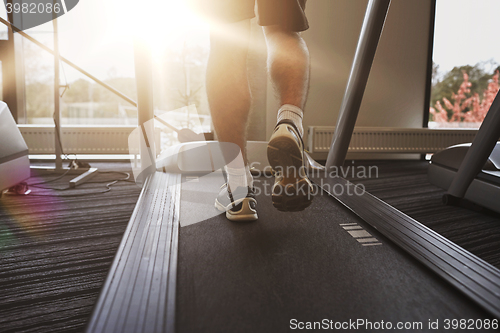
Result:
x=283 y=151
x=291 y=193
x=299 y=199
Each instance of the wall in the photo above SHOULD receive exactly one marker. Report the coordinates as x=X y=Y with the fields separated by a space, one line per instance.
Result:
x=395 y=93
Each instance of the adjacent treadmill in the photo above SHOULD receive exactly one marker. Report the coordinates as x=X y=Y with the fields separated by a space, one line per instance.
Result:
x=472 y=173
x=14 y=161
x=484 y=189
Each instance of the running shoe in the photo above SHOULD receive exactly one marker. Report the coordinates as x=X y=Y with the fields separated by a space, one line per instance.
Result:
x=239 y=205
x=292 y=190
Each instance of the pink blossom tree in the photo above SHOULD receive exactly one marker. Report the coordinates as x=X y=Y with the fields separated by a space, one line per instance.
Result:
x=466 y=108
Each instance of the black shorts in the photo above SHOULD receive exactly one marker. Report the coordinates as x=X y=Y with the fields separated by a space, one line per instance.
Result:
x=286 y=13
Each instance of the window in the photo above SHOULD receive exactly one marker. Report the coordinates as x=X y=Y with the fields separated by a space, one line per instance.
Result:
x=465 y=62
x=103 y=46
x=3 y=28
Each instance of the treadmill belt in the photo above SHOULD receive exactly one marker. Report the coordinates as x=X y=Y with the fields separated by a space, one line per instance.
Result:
x=286 y=268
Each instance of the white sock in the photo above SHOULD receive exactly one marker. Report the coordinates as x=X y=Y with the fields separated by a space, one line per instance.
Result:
x=239 y=177
x=293 y=113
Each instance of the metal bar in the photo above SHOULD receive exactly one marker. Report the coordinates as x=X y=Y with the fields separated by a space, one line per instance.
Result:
x=365 y=52
x=477 y=155
x=57 y=109
x=430 y=51
x=33 y=40
x=428 y=83
x=144 y=82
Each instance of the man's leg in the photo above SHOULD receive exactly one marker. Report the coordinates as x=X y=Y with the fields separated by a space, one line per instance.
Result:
x=228 y=90
x=289 y=67
x=229 y=98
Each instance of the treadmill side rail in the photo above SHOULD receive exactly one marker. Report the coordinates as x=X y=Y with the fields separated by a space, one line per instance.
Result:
x=470 y=274
x=139 y=292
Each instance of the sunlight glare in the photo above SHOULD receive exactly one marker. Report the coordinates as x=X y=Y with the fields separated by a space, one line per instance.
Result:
x=159 y=22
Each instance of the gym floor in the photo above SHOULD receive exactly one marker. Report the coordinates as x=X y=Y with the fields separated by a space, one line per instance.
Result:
x=55 y=253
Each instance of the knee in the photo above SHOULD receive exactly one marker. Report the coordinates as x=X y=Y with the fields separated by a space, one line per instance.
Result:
x=277 y=32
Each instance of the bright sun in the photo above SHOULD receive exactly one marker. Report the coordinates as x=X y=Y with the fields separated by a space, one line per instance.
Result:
x=98 y=34
x=160 y=22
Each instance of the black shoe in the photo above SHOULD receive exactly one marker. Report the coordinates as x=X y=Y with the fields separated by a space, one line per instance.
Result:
x=292 y=190
x=239 y=205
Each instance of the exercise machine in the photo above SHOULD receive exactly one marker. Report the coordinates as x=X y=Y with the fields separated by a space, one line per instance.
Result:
x=445 y=258
x=14 y=161
x=222 y=276
x=472 y=171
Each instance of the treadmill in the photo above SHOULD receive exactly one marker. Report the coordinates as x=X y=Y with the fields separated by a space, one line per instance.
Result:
x=14 y=161
x=348 y=259
x=484 y=189
x=472 y=172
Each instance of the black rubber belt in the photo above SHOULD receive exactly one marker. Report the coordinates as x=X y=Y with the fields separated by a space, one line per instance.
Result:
x=470 y=274
x=139 y=292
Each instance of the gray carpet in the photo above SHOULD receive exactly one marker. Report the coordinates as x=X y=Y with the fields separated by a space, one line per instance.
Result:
x=55 y=251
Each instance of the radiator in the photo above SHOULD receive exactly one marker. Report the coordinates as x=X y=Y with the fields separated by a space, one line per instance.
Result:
x=390 y=140
x=80 y=139
x=114 y=140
